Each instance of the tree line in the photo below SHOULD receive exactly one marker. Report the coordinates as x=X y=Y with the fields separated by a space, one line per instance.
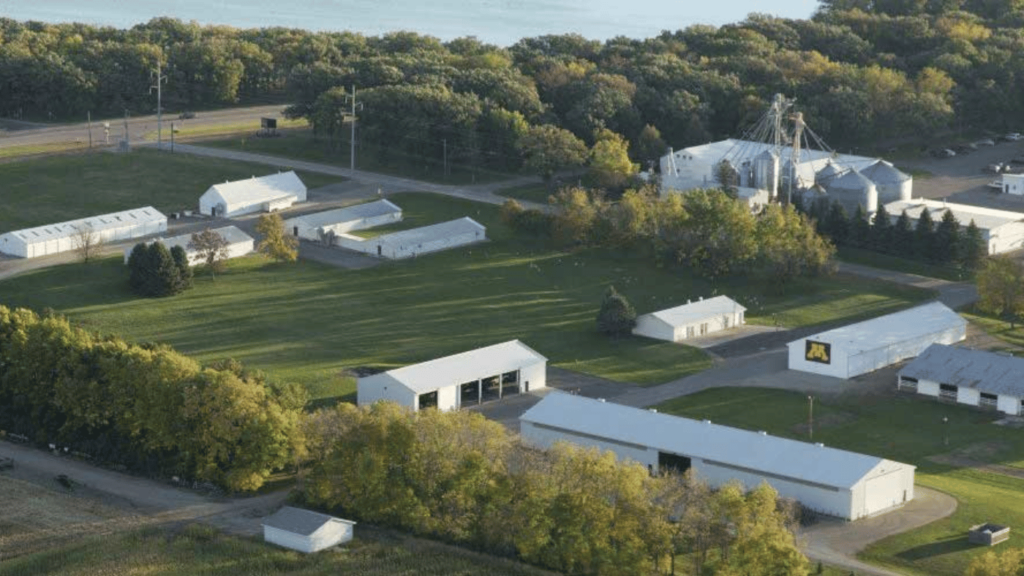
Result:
x=706 y=230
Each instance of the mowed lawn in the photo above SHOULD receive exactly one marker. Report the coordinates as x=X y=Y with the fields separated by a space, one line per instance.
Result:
x=904 y=428
x=61 y=188
x=311 y=323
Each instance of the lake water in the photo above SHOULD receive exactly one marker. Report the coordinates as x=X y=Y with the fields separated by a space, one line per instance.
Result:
x=500 y=22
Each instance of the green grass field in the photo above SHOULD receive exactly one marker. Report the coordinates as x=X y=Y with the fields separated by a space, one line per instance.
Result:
x=904 y=428
x=889 y=262
x=201 y=551
x=998 y=327
x=60 y=188
x=310 y=323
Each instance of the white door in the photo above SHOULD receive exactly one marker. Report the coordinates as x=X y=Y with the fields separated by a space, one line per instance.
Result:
x=883 y=492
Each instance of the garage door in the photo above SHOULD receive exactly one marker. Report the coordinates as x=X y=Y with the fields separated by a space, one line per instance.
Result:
x=884 y=492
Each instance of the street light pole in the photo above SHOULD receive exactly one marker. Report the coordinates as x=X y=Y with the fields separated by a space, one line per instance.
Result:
x=945 y=430
x=810 y=417
x=160 y=81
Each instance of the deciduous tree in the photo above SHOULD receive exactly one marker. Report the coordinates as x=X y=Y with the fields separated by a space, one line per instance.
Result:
x=1001 y=287
x=212 y=249
x=275 y=243
x=616 y=316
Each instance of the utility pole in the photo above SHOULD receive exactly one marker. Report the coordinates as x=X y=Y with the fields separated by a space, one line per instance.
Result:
x=88 y=116
x=161 y=79
x=352 y=119
x=810 y=418
x=126 y=138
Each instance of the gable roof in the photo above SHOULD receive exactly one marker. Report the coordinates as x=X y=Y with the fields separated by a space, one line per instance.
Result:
x=98 y=224
x=978 y=369
x=889 y=329
x=432 y=232
x=262 y=189
x=882 y=172
x=232 y=234
x=466 y=366
x=756 y=451
x=695 y=311
x=985 y=218
x=349 y=213
x=299 y=521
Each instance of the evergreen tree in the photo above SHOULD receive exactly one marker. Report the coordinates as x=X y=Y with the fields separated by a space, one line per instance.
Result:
x=881 y=231
x=903 y=236
x=138 y=269
x=973 y=249
x=165 y=278
x=924 y=236
x=946 y=247
x=860 y=229
x=617 y=316
x=837 y=224
x=180 y=258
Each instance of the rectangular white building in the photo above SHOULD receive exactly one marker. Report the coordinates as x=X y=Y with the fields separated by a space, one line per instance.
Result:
x=417 y=241
x=1001 y=230
x=459 y=380
x=306 y=531
x=264 y=194
x=830 y=481
x=972 y=377
x=1013 y=184
x=65 y=236
x=866 y=346
x=691 y=320
x=239 y=244
x=359 y=217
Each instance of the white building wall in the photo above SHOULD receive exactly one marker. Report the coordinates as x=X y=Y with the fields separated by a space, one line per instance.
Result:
x=448 y=398
x=381 y=247
x=652 y=327
x=287 y=539
x=836 y=367
x=545 y=438
x=883 y=489
x=379 y=387
x=1013 y=184
x=11 y=244
x=533 y=376
x=330 y=534
x=928 y=388
x=1006 y=238
x=968 y=396
x=1008 y=405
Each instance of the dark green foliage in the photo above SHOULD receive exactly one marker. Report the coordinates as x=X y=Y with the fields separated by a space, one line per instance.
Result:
x=184 y=279
x=837 y=223
x=924 y=236
x=153 y=271
x=973 y=249
x=903 y=236
x=881 y=231
x=138 y=268
x=617 y=316
x=528 y=220
x=859 y=233
x=946 y=245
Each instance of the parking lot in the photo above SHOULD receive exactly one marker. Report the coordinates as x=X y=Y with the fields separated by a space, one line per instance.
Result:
x=963 y=178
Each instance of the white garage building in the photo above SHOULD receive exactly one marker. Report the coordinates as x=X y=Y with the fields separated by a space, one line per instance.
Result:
x=239 y=244
x=264 y=194
x=1001 y=230
x=358 y=217
x=866 y=346
x=1013 y=184
x=691 y=320
x=63 y=237
x=462 y=379
x=830 y=481
x=417 y=241
x=973 y=377
x=306 y=531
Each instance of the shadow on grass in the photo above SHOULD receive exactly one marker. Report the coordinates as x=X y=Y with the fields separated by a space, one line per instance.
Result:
x=947 y=546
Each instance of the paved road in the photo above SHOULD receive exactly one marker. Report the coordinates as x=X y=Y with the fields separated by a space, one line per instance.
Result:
x=953 y=294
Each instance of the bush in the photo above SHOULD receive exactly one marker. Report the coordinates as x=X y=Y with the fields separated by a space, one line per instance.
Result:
x=617 y=316
x=153 y=271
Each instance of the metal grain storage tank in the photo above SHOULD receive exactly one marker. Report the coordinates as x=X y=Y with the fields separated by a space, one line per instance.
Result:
x=810 y=196
x=853 y=189
x=892 y=185
x=827 y=174
x=766 y=172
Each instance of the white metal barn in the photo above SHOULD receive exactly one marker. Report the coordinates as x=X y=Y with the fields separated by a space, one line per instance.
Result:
x=866 y=346
x=63 y=237
x=1013 y=184
x=417 y=241
x=358 y=217
x=830 y=481
x=973 y=377
x=1001 y=230
x=239 y=244
x=462 y=379
x=306 y=531
x=264 y=194
x=691 y=320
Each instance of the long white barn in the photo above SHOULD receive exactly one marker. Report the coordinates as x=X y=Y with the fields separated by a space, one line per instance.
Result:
x=358 y=217
x=461 y=379
x=64 y=237
x=973 y=377
x=239 y=244
x=830 y=481
x=1001 y=230
x=691 y=320
x=417 y=241
x=264 y=194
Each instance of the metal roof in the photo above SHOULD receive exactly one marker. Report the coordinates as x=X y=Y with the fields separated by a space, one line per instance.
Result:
x=882 y=172
x=299 y=521
x=984 y=218
x=432 y=232
x=890 y=329
x=98 y=223
x=466 y=366
x=739 y=150
x=230 y=233
x=852 y=180
x=695 y=311
x=984 y=371
x=830 y=170
x=349 y=213
x=262 y=189
x=701 y=439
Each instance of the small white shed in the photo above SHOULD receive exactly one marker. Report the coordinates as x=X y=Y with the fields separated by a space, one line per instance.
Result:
x=306 y=531
x=358 y=217
x=417 y=241
x=239 y=244
x=65 y=236
x=1013 y=184
x=264 y=194
x=1001 y=230
x=827 y=480
x=691 y=320
x=866 y=346
x=469 y=378
x=973 y=377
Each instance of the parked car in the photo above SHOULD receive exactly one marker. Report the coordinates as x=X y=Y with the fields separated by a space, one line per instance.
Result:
x=942 y=153
x=985 y=142
x=996 y=167
x=186 y=115
x=1011 y=137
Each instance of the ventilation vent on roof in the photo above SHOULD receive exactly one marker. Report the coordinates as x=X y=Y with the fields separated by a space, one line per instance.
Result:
x=600 y=399
x=819 y=444
x=762 y=432
x=655 y=410
x=707 y=421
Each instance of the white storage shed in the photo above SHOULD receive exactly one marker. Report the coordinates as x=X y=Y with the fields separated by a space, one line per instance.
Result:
x=239 y=244
x=866 y=346
x=65 y=236
x=358 y=217
x=306 y=531
x=973 y=377
x=264 y=194
x=1001 y=230
x=691 y=320
x=462 y=379
x=417 y=241
x=1013 y=184
x=830 y=481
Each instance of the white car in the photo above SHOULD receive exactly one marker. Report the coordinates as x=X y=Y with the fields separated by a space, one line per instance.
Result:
x=1013 y=136
x=985 y=142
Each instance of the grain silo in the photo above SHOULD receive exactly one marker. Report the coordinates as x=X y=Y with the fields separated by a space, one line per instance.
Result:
x=892 y=185
x=853 y=189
